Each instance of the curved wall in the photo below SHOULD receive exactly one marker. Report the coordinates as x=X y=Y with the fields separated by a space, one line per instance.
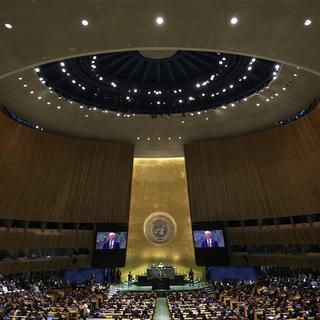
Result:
x=52 y=178
x=269 y=174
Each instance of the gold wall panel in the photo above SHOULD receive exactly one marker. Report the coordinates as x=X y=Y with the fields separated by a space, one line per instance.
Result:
x=160 y=185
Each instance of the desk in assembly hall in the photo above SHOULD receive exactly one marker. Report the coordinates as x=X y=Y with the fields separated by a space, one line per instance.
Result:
x=160 y=278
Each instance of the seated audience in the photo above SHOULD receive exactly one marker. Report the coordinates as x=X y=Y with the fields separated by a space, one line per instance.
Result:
x=277 y=297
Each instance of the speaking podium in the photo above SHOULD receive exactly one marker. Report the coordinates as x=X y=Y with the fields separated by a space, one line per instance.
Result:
x=161 y=278
x=161 y=284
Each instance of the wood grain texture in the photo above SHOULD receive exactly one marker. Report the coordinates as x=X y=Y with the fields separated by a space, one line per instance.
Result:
x=46 y=177
x=58 y=263
x=255 y=236
x=267 y=174
x=46 y=239
x=294 y=261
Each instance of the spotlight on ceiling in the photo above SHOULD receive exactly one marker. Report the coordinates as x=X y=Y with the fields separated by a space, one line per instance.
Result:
x=84 y=22
x=234 y=20
x=159 y=20
x=307 y=22
x=8 y=25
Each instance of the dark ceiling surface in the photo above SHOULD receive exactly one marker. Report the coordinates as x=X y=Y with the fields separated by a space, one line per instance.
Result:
x=131 y=83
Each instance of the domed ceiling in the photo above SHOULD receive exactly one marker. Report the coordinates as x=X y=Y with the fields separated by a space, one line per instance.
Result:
x=130 y=83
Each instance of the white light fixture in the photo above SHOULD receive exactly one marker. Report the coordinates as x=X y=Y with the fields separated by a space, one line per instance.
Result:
x=58 y=107
x=8 y=25
x=307 y=22
x=159 y=21
x=258 y=104
x=234 y=20
x=84 y=22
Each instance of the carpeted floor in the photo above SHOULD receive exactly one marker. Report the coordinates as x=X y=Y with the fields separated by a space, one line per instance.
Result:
x=162 y=310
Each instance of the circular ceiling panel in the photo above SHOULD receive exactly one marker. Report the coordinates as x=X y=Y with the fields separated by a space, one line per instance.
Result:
x=132 y=83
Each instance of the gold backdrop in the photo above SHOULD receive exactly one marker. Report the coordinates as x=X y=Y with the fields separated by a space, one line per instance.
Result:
x=160 y=185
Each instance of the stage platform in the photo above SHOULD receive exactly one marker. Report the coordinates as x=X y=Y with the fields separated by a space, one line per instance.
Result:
x=135 y=287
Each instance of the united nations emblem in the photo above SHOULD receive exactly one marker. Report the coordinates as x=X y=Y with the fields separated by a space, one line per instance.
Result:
x=160 y=228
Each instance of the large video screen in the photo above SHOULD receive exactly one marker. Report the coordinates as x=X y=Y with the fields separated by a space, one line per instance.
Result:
x=110 y=246
x=210 y=244
x=208 y=239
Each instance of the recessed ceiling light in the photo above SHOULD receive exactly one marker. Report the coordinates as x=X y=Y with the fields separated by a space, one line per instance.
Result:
x=25 y=85
x=86 y=116
x=258 y=104
x=31 y=92
x=39 y=98
x=58 y=107
x=307 y=22
x=234 y=20
x=48 y=102
x=159 y=20
x=20 y=78
x=8 y=25
x=84 y=22
x=295 y=75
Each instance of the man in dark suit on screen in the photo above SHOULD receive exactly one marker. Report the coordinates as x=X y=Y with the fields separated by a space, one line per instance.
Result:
x=208 y=242
x=111 y=243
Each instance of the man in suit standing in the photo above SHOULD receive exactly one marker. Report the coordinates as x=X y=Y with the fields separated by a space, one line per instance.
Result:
x=111 y=243
x=208 y=242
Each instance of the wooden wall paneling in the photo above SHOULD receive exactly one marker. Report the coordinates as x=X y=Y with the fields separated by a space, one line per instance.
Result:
x=268 y=174
x=297 y=261
x=256 y=236
x=43 y=239
x=46 y=177
x=60 y=263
